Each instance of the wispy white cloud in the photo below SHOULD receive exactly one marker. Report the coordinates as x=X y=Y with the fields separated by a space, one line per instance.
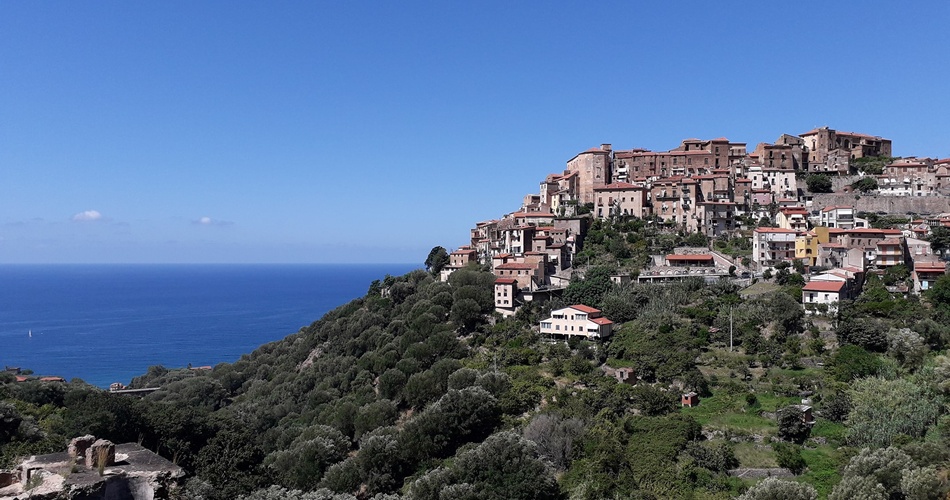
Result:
x=209 y=221
x=87 y=216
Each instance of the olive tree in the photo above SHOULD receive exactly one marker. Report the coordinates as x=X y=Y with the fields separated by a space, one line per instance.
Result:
x=771 y=488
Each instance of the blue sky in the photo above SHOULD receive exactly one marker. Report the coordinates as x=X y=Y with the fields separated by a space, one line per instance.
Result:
x=372 y=131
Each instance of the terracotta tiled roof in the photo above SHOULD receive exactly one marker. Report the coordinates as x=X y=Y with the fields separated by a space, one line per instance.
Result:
x=505 y=281
x=583 y=308
x=931 y=267
x=616 y=186
x=837 y=207
x=515 y=266
x=533 y=214
x=872 y=230
x=823 y=286
x=602 y=321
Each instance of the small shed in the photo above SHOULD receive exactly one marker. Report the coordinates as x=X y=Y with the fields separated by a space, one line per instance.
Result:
x=626 y=376
x=807 y=415
x=690 y=399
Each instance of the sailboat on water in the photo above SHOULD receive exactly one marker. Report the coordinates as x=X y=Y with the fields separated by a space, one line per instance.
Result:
x=31 y=333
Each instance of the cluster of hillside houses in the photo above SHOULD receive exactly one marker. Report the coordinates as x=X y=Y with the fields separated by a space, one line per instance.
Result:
x=706 y=186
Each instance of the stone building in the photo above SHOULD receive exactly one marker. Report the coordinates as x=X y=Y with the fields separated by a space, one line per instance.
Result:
x=593 y=170
x=829 y=150
x=619 y=199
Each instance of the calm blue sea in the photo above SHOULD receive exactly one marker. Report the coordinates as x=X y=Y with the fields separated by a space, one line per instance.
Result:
x=109 y=323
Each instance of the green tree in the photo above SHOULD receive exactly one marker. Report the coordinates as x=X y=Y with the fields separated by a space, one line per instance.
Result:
x=771 y=488
x=895 y=274
x=885 y=466
x=717 y=457
x=858 y=488
x=791 y=427
x=10 y=420
x=466 y=314
x=437 y=259
x=652 y=401
x=906 y=346
x=939 y=239
x=869 y=333
x=851 y=362
x=554 y=437
x=303 y=463
x=696 y=240
x=836 y=407
x=884 y=409
x=591 y=289
x=939 y=295
x=789 y=456
x=865 y=185
x=504 y=467
x=923 y=483
x=818 y=183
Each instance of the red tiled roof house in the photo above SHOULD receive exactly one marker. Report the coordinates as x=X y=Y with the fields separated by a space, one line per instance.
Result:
x=577 y=321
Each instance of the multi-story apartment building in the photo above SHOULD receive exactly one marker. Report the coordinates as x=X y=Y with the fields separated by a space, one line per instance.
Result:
x=673 y=200
x=619 y=199
x=908 y=177
x=457 y=260
x=890 y=252
x=797 y=149
x=771 y=245
x=775 y=156
x=837 y=216
x=506 y=295
x=867 y=239
x=794 y=218
x=781 y=181
x=716 y=217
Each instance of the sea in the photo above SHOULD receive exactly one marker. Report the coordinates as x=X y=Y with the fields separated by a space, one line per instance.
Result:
x=109 y=323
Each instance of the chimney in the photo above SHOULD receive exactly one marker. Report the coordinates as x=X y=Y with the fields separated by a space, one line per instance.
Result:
x=605 y=147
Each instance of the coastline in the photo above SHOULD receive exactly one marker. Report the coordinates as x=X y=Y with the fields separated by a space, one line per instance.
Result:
x=106 y=323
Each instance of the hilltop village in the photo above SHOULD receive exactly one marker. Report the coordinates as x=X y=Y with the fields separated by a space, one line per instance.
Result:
x=807 y=202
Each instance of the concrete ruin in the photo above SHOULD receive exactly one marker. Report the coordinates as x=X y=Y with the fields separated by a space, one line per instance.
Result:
x=93 y=469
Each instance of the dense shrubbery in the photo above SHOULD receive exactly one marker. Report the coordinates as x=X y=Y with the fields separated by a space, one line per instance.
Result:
x=416 y=390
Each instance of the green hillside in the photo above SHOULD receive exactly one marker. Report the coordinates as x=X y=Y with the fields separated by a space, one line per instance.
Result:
x=417 y=390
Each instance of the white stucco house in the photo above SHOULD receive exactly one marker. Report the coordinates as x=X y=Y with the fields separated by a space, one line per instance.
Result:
x=818 y=292
x=577 y=321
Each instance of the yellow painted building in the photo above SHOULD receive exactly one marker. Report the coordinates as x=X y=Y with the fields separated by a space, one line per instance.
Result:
x=806 y=244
